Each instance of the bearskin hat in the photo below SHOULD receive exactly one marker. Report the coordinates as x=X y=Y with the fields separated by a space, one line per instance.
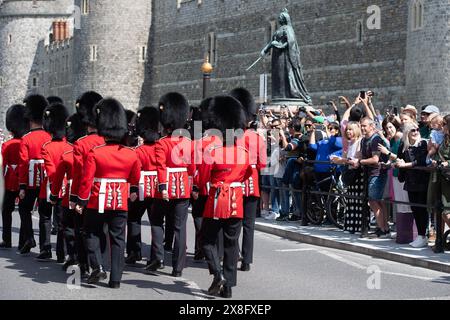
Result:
x=147 y=124
x=54 y=99
x=85 y=107
x=75 y=129
x=131 y=139
x=174 y=111
x=247 y=101
x=16 y=122
x=35 y=105
x=54 y=121
x=111 y=119
x=226 y=112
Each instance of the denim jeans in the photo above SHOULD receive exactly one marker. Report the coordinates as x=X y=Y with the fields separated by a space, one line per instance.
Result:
x=279 y=198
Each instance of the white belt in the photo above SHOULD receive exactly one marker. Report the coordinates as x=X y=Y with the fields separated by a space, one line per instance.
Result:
x=175 y=170
x=142 y=182
x=253 y=166
x=102 y=191
x=33 y=162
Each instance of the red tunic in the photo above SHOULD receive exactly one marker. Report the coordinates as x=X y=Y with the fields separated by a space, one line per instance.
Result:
x=257 y=149
x=201 y=146
x=10 y=154
x=175 y=166
x=225 y=199
x=31 y=163
x=51 y=153
x=62 y=180
x=148 y=182
x=81 y=149
x=107 y=171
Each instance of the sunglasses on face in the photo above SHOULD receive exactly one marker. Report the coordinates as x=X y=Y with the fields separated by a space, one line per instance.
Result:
x=414 y=130
x=308 y=125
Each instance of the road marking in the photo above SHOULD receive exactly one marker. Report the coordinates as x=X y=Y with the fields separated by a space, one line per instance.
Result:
x=361 y=267
x=295 y=250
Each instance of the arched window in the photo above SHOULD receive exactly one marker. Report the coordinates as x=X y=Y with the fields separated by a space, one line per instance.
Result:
x=85 y=7
x=417 y=12
x=359 y=32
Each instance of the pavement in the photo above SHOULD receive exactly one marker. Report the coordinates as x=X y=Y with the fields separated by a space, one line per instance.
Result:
x=335 y=238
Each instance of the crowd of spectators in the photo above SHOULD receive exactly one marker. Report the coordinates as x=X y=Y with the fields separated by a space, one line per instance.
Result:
x=380 y=152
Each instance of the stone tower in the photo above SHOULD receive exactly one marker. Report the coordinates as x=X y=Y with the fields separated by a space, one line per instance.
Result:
x=428 y=53
x=111 y=48
x=24 y=25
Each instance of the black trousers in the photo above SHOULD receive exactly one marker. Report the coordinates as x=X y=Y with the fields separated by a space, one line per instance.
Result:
x=169 y=232
x=231 y=229
x=9 y=204
x=94 y=225
x=250 y=206
x=136 y=211
x=198 y=206
x=420 y=214
x=80 y=238
x=178 y=211
x=46 y=209
x=25 y=211
x=68 y=225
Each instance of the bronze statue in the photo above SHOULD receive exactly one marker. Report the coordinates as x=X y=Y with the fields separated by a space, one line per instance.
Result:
x=288 y=83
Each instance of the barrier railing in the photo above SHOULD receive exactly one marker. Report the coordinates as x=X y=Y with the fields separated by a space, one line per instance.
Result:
x=437 y=207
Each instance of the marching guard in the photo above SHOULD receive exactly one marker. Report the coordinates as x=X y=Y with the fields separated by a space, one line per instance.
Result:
x=175 y=169
x=256 y=146
x=104 y=191
x=224 y=167
x=60 y=191
x=18 y=126
x=54 y=122
x=31 y=168
x=85 y=108
x=147 y=128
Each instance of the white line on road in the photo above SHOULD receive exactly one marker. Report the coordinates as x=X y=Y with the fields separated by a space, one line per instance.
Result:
x=361 y=267
x=295 y=250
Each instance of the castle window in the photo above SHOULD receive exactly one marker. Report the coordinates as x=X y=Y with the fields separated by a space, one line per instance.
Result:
x=417 y=11
x=85 y=6
x=212 y=48
x=143 y=54
x=34 y=3
x=35 y=82
x=93 y=53
x=359 y=32
x=2 y=82
x=9 y=39
x=179 y=2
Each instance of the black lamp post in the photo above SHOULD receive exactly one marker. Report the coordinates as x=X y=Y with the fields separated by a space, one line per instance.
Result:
x=207 y=69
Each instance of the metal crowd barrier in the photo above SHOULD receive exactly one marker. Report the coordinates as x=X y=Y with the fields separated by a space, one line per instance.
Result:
x=437 y=209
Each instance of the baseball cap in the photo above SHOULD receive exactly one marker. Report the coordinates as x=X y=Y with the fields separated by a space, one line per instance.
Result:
x=431 y=109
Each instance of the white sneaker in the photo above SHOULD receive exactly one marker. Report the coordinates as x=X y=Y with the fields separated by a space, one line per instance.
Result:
x=420 y=242
x=272 y=216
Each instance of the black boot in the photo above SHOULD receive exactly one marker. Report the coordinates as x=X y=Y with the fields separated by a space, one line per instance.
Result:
x=218 y=281
x=5 y=245
x=155 y=265
x=226 y=292
x=45 y=255
x=114 y=284
x=245 y=266
x=97 y=275
x=69 y=262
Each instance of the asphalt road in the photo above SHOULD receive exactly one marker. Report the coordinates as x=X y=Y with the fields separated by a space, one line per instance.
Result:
x=282 y=270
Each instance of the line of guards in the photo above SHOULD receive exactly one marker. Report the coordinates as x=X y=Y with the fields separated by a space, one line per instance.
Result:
x=79 y=169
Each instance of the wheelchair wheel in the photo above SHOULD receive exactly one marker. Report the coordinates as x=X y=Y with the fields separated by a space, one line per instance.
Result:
x=447 y=241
